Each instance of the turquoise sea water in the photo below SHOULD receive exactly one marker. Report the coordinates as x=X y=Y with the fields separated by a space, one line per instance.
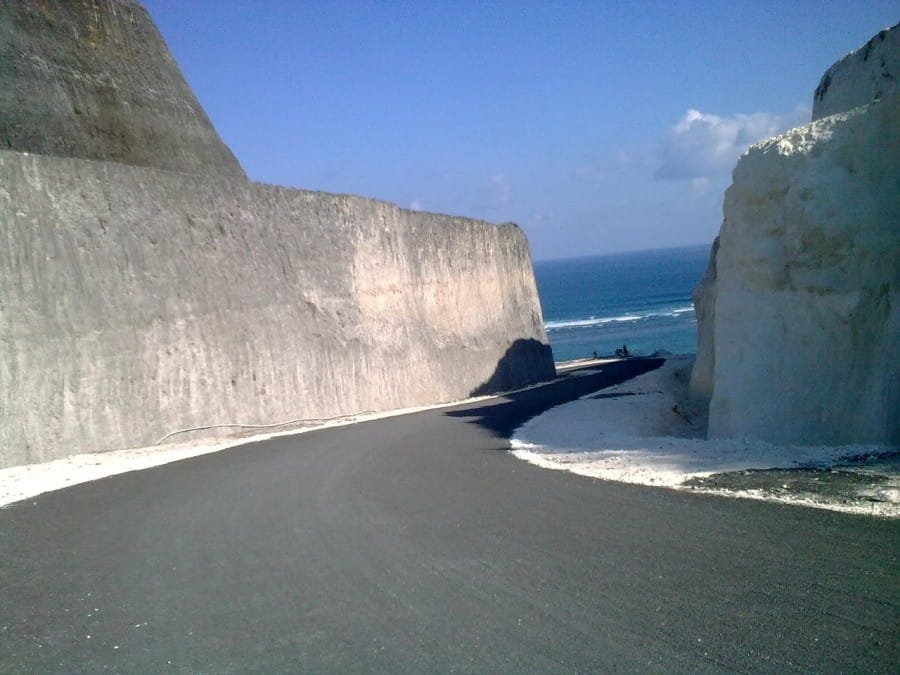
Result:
x=640 y=299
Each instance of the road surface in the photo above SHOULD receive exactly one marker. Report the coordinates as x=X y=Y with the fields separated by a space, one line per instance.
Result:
x=418 y=544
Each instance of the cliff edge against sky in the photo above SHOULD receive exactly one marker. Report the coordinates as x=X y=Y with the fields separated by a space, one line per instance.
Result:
x=147 y=287
x=94 y=79
x=799 y=328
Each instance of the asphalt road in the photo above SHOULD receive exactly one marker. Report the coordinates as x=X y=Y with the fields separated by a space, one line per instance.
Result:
x=417 y=544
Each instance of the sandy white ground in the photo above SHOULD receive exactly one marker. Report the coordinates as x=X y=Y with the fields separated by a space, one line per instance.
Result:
x=650 y=432
x=22 y=482
x=628 y=433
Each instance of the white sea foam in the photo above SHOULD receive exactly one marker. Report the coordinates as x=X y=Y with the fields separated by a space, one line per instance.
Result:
x=592 y=321
x=625 y=318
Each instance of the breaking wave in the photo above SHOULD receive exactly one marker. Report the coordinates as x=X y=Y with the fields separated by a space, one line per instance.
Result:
x=625 y=318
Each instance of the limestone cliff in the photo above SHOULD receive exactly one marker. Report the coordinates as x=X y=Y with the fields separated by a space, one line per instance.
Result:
x=136 y=301
x=94 y=79
x=865 y=75
x=704 y=299
x=803 y=293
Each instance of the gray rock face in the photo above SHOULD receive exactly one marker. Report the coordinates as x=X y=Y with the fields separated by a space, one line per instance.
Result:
x=798 y=321
x=93 y=79
x=865 y=75
x=135 y=302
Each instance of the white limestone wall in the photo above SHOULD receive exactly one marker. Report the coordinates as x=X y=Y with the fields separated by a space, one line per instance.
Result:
x=704 y=300
x=135 y=302
x=807 y=296
x=867 y=74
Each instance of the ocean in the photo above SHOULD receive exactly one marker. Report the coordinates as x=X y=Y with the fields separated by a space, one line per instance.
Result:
x=640 y=299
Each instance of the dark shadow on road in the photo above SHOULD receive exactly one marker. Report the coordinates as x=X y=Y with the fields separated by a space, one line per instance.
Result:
x=504 y=415
x=525 y=362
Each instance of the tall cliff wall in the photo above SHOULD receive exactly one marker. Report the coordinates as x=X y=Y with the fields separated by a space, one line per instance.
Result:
x=134 y=302
x=704 y=300
x=803 y=293
x=146 y=286
x=94 y=79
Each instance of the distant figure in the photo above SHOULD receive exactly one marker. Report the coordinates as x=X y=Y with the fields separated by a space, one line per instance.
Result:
x=623 y=352
x=595 y=355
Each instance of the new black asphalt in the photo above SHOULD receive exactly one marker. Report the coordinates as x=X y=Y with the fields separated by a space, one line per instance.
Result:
x=418 y=544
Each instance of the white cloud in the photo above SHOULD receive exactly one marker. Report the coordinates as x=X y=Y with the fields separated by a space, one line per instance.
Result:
x=703 y=145
x=497 y=191
x=415 y=205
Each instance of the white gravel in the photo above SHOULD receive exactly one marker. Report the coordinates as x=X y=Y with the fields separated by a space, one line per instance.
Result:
x=649 y=431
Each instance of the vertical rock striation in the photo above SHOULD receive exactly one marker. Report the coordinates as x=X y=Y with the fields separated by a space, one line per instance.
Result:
x=801 y=300
x=146 y=286
x=704 y=298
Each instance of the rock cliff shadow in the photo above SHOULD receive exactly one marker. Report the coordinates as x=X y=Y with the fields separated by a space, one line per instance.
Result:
x=525 y=362
x=503 y=415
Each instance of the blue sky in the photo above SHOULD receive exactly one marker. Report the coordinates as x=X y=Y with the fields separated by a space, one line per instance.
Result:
x=596 y=126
